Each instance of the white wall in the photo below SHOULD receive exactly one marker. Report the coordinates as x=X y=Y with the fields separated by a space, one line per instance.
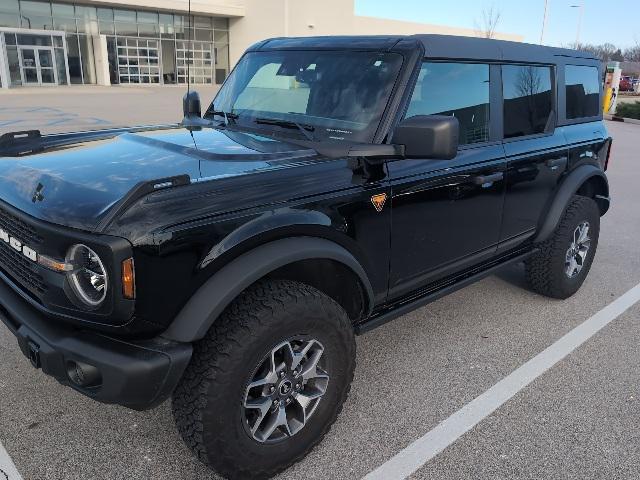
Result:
x=4 y=68
x=101 y=56
x=301 y=18
x=208 y=7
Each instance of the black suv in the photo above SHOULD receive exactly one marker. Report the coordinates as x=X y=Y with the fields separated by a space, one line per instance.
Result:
x=334 y=184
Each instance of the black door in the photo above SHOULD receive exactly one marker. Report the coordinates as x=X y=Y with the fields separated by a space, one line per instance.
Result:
x=536 y=150
x=446 y=214
x=445 y=218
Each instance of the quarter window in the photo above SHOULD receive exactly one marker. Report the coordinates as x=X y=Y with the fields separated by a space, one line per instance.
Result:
x=528 y=99
x=582 y=91
x=457 y=89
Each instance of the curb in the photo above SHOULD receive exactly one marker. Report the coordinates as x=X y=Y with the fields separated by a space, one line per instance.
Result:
x=615 y=118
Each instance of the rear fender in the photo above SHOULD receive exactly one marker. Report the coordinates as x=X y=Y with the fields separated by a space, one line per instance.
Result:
x=568 y=188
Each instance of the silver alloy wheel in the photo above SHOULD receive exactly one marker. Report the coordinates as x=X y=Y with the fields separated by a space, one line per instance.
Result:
x=578 y=249
x=285 y=390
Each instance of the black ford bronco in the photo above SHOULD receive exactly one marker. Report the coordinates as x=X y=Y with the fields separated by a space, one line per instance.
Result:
x=332 y=185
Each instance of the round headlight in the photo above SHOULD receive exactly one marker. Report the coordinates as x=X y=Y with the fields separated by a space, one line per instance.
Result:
x=88 y=279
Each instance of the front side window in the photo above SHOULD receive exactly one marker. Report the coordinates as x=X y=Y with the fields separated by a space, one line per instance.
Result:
x=334 y=95
x=582 y=91
x=528 y=100
x=457 y=89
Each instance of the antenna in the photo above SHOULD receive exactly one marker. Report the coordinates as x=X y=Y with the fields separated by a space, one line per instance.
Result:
x=190 y=55
x=191 y=107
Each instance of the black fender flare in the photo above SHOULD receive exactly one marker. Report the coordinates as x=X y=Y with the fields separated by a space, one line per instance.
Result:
x=567 y=189
x=211 y=299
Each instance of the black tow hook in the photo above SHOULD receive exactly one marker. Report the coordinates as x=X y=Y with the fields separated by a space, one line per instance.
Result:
x=34 y=354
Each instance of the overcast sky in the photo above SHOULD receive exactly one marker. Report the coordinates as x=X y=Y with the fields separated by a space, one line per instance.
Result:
x=616 y=22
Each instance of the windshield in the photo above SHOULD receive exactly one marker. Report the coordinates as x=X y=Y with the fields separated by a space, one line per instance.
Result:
x=324 y=95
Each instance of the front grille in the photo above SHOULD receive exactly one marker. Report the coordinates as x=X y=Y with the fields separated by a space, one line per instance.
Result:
x=21 y=269
x=18 y=229
x=14 y=263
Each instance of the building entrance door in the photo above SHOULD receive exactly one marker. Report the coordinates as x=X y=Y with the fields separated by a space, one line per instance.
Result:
x=37 y=66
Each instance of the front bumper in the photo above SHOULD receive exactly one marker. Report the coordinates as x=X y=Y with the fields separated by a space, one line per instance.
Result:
x=138 y=375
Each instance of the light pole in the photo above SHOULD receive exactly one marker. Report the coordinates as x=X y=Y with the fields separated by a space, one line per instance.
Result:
x=581 y=12
x=544 y=20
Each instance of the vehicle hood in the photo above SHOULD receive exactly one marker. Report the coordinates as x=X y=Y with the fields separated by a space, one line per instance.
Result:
x=78 y=185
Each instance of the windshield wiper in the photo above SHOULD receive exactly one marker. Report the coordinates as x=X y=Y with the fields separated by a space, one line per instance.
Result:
x=227 y=115
x=305 y=129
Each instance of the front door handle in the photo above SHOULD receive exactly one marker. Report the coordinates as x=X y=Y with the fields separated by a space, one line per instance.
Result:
x=485 y=179
x=554 y=163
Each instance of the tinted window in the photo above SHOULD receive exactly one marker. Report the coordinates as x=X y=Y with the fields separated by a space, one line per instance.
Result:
x=527 y=99
x=339 y=95
x=583 y=91
x=458 y=89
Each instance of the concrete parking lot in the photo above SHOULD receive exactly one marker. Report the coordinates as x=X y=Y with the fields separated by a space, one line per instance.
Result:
x=78 y=108
x=578 y=420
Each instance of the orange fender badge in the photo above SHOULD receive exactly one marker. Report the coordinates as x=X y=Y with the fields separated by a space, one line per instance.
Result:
x=378 y=201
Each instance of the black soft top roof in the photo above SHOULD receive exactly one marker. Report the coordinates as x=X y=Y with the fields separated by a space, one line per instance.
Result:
x=436 y=46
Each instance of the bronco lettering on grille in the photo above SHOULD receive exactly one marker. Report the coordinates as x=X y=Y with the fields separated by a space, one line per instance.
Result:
x=17 y=245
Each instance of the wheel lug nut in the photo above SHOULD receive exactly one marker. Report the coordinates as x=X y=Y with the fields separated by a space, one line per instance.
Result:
x=295 y=373
x=282 y=374
x=298 y=386
x=272 y=389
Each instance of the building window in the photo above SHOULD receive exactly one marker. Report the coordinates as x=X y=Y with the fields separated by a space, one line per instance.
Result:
x=582 y=91
x=9 y=13
x=528 y=99
x=169 y=32
x=195 y=59
x=456 y=89
x=73 y=58
x=35 y=15
x=138 y=60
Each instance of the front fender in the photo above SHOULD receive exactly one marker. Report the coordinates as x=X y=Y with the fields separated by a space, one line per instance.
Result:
x=210 y=300
x=568 y=188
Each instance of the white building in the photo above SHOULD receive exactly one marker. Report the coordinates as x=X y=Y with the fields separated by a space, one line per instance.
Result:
x=107 y=42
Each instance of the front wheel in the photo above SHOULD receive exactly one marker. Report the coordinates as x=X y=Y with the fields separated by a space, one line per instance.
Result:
x=267 y=382
x=563 y=261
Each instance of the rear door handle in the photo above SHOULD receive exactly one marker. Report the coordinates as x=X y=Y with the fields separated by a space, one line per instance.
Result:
x=554 y=163
x=485 y=179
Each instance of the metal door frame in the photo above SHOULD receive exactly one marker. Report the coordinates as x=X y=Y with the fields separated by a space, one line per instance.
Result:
x=38 y=67
x=53 y=33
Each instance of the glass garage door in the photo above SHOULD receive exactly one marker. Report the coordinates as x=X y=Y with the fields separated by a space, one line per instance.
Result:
x=138 y=60
x=201 y=65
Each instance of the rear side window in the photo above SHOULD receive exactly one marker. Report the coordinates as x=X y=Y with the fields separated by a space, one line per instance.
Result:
x=457 y=89
x=528 y=99
x=582 y=91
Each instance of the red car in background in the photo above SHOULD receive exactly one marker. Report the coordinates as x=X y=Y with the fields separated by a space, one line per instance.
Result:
x=626 y=84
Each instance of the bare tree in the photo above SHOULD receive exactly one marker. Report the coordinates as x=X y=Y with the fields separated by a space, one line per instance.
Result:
x=529 y=81
x=605 y=52
x=632 y=54
x=489 y=19
x=528 y=86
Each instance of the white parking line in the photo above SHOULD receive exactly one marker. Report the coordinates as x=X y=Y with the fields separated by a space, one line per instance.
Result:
x=448 y=431
x=8 y=470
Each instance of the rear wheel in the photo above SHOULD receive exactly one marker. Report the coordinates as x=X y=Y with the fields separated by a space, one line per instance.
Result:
x=268 y=380
x=563 y=261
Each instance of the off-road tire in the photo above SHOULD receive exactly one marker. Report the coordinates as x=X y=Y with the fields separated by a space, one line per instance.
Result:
x=207 y=404
x=545 y=270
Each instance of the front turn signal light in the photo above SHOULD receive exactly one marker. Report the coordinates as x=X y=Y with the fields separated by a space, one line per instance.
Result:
x=128 y=279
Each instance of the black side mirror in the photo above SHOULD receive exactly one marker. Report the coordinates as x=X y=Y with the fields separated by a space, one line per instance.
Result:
x=191 y=105
x=428 y=136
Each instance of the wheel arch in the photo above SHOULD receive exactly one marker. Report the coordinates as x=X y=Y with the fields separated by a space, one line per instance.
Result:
x=318 y=262
x=586 y=180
